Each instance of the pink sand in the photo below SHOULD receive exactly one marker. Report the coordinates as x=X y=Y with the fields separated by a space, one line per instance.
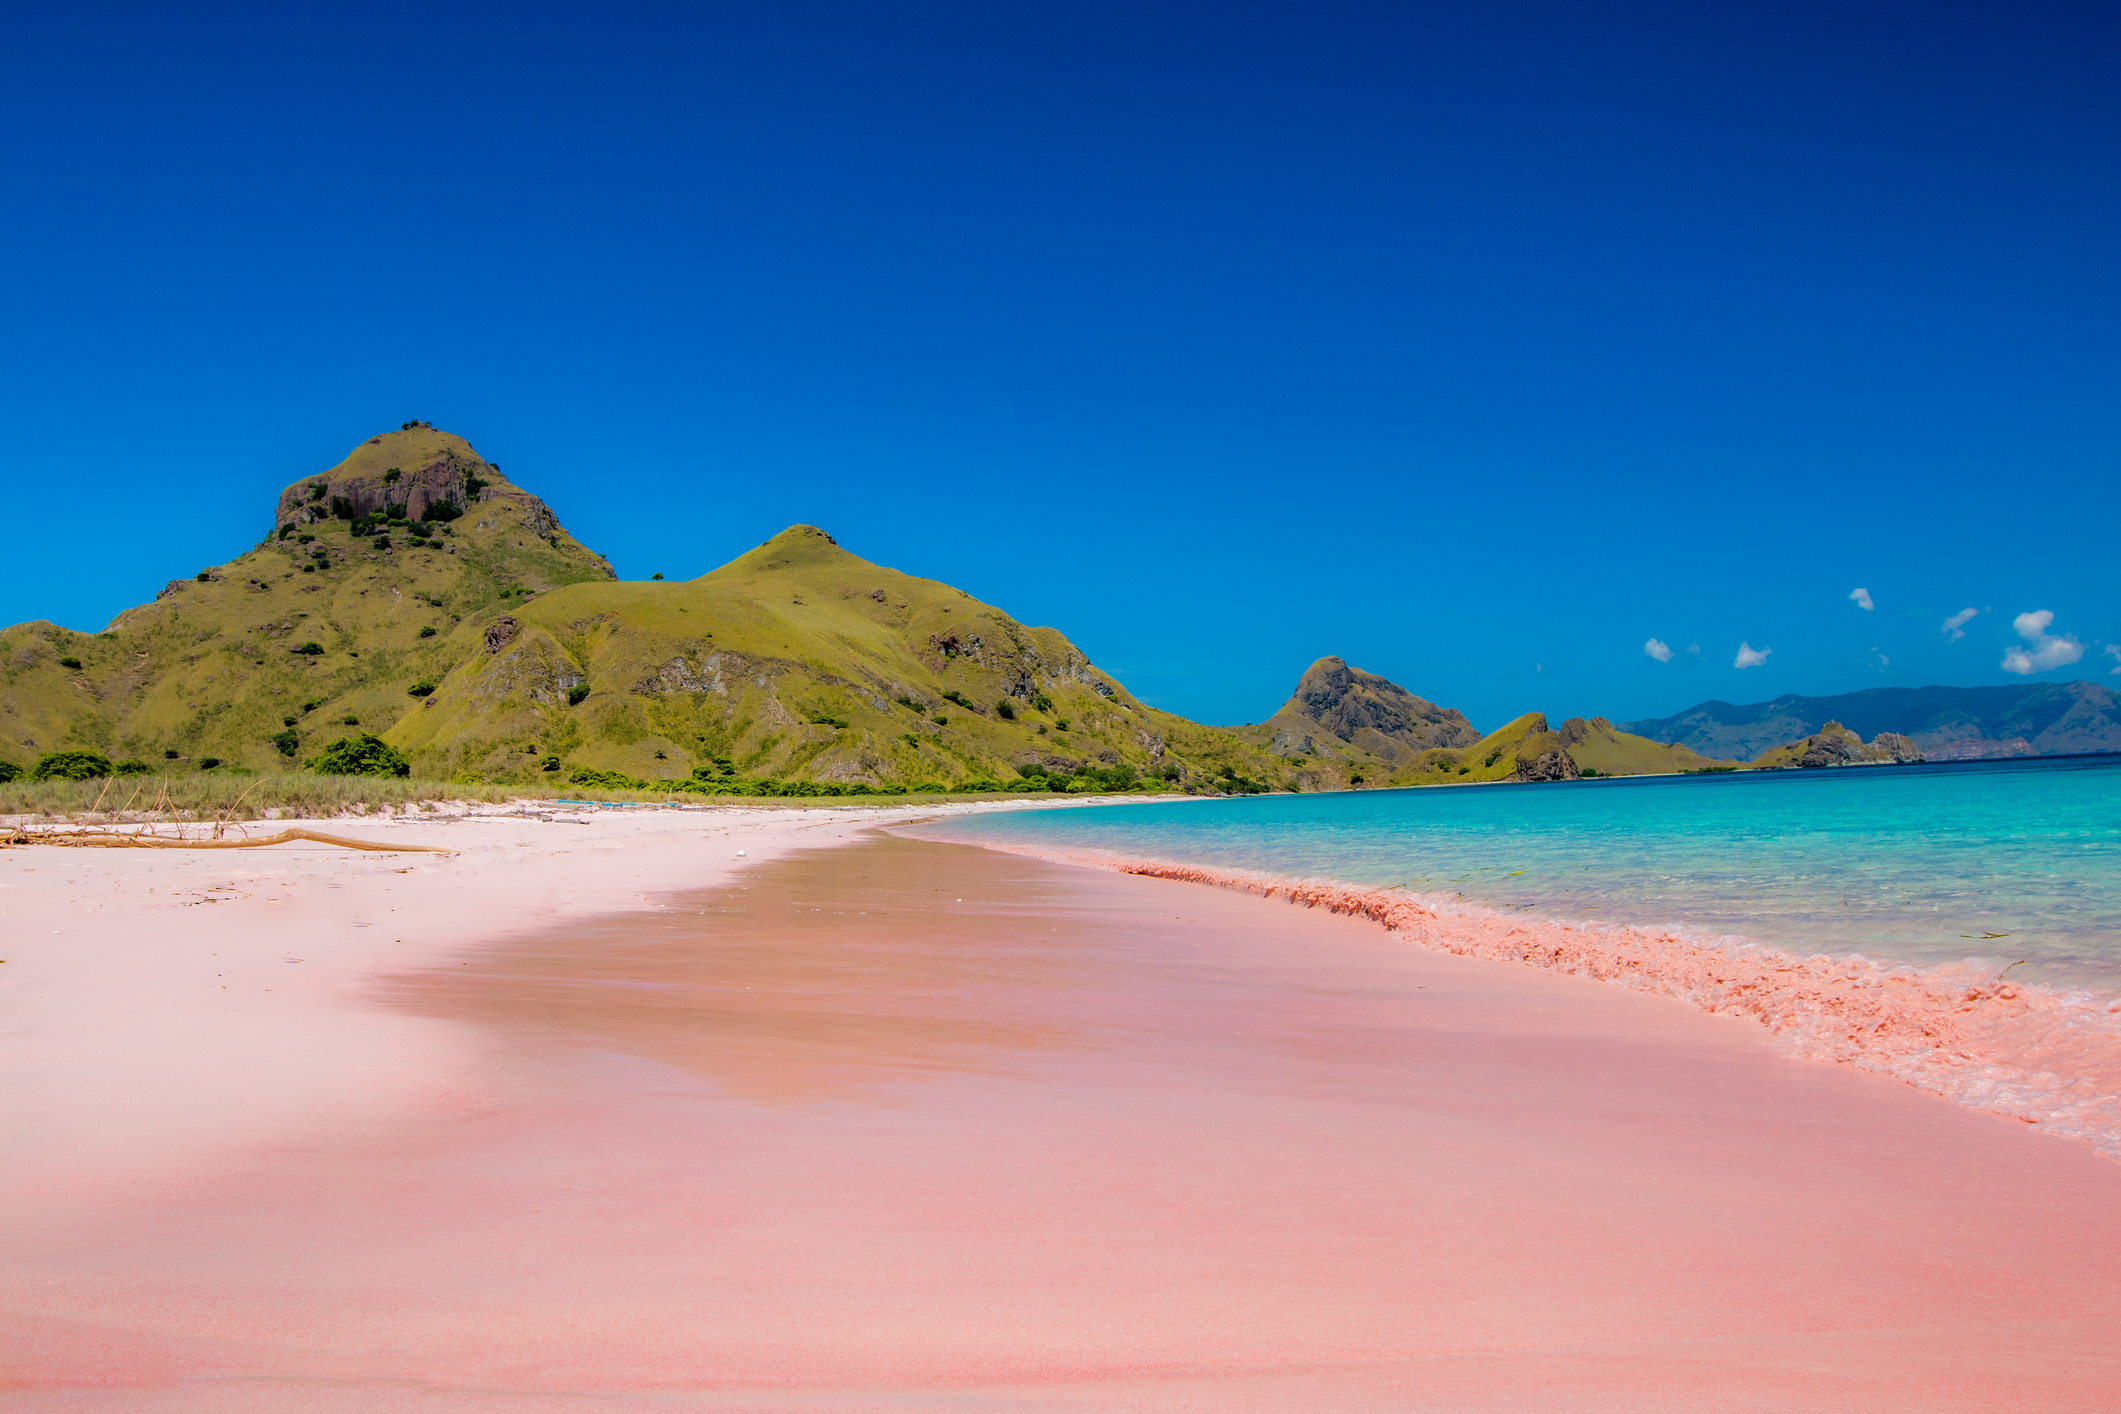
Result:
x=818 y=1135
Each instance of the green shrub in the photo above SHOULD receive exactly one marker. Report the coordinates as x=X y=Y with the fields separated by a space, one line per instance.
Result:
x=204 y=576
x=576 y=693
x=311 y=649
x=391 y=475
x=70 y=766
x=603 y=780
x=285 y=742
x=422 y=688
x=550 y=763
x=1355 y=780
x=820 y=719
x=132 y=766
x=314 y=703
x=350 y=720
x=1042 y=702
x=940 y=721
x=909 y=702
x=657 y=575
x=287 y=721
x=444 y=511
x=305 y=539
x=317 y=490
x=1061 y=723
x=427 y=630
x=1005 y=709
x=928 y=788
x=170 y=755
x=9 y=771
x=207 y=763
x=363 y=755
x=70 y=662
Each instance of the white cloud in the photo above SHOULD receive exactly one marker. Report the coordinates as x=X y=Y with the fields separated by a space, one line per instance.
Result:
x=1749 y=656
x=1862 y=598
x=1659 y=650
x=2113 y=650
x=1956 y=624
x=1694 y=648
x=2042 y=650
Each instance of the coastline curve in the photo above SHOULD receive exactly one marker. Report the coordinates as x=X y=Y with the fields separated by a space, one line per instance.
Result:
x=2049 y=1057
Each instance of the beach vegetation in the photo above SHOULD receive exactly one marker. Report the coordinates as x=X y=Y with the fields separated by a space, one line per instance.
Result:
x=70 y=766
x=363 y=755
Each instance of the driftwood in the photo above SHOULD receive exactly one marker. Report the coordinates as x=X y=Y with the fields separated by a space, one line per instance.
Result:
x=110 y=839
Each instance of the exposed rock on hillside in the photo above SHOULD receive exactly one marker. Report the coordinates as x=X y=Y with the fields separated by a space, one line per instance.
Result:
x=1836 y=745
x=1366 y=711
x=1543 y=755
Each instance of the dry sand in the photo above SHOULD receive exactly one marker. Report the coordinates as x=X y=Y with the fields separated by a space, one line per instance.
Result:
x=596 y=1117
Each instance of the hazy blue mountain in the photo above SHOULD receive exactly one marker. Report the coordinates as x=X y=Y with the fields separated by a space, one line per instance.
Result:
x=1948 y=723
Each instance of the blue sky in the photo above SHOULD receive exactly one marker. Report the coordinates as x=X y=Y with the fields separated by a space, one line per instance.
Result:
x=1481 y=349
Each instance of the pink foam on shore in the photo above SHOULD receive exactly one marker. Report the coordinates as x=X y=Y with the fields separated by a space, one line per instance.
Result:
x=2043 y=1055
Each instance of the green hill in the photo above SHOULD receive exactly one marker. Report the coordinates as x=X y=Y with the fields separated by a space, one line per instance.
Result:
x=416 y=562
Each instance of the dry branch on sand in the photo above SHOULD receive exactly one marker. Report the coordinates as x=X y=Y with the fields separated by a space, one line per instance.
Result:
x=113 y=839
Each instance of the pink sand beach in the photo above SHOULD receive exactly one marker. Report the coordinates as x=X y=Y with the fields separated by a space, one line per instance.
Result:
x=598 y=1116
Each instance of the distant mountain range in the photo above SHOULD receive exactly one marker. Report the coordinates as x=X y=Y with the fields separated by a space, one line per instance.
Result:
x=1946 y=723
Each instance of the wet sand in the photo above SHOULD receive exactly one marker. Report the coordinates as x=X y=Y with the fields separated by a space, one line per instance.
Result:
x=909 y=1125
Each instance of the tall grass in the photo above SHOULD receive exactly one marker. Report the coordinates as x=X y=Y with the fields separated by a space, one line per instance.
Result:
x=300 y=795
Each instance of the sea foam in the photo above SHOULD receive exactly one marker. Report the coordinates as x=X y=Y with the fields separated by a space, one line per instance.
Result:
x=2046 y=1056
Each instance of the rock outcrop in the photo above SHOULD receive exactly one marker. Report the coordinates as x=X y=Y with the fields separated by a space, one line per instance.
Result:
x=1836 y=745
x=1366 y=711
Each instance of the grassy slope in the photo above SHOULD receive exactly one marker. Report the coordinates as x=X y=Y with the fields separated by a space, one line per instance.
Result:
x=205 y=669
x=1612 y=752
x=734 y=665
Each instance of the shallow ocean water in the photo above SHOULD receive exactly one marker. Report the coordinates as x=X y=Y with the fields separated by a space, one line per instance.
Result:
x=1992 y=860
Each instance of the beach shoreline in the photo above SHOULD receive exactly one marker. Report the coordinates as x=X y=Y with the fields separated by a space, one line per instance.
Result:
x=914 y=1124
x=2047 y=1056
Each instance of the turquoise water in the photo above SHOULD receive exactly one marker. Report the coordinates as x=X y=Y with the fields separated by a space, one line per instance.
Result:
x=1916 y=863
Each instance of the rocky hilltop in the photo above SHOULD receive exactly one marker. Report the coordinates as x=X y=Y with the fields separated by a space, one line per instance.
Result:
x=1385 y=735
x=1365 y=711
x=1835 y=745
